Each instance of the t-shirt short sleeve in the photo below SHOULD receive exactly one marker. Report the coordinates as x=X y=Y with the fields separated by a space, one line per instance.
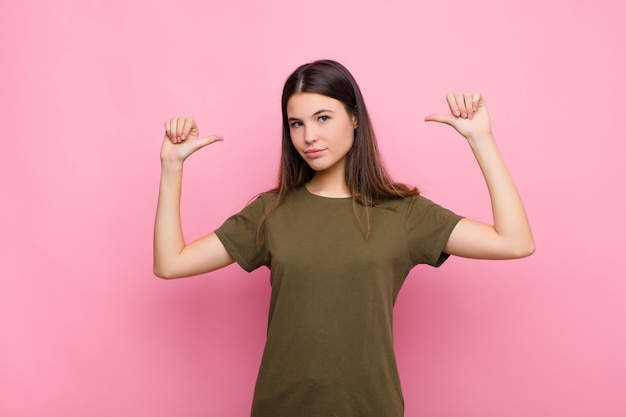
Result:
x=238 y=234
x=428 y=227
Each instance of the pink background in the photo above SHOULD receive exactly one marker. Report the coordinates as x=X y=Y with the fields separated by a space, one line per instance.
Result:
x=87 y=330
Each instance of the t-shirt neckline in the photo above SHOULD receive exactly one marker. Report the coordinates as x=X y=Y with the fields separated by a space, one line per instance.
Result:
x=306 y=190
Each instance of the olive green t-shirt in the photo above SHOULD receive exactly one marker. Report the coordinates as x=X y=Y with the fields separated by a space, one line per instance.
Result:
x=329 y=349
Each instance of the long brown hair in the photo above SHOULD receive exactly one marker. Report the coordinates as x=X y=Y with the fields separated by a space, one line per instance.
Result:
x=366 y=177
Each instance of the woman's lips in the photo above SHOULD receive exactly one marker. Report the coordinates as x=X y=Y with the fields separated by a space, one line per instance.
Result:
x=314 y=153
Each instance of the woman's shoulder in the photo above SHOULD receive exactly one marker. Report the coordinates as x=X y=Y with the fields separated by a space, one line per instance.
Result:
x=410 y=204
x=398 y=202
x=264 y=198
x=270 y=195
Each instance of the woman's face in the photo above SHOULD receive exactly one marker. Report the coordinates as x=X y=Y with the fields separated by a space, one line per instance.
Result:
x=321 y=130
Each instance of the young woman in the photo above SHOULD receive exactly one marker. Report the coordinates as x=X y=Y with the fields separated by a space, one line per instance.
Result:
x=339 y=237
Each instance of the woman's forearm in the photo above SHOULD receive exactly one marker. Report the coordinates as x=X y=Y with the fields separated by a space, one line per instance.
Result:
x=168 y=233
x=509 y=217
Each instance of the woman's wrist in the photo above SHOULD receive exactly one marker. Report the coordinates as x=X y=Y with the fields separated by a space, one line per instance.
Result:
x=480 y=138
x=168 y=165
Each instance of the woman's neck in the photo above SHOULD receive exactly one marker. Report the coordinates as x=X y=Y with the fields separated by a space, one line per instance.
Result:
x=329 y=184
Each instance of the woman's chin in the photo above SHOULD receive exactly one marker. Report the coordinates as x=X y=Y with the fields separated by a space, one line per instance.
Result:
x=317 y=167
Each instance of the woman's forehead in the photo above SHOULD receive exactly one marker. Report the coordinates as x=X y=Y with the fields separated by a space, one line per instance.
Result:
x=307 y=104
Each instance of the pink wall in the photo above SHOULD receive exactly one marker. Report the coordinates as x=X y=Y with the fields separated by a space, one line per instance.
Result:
x=87 y=330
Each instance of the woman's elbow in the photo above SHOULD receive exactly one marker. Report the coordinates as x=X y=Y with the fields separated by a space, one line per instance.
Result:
x=523 y=250
x=160 y=272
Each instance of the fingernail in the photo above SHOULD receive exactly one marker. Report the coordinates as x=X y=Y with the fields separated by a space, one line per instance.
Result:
x=457 y=113
x=464 y=115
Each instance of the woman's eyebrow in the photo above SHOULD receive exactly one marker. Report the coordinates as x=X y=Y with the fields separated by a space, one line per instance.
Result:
x=321 y=111
x=314 y=114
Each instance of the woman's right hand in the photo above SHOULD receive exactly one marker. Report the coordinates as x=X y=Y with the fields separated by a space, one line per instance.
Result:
x=181 y=139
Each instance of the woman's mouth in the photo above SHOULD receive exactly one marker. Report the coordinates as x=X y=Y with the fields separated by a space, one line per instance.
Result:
x=314 y=153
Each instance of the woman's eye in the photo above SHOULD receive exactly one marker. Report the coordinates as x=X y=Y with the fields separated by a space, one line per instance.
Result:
x=323 y=118
x=296 y=124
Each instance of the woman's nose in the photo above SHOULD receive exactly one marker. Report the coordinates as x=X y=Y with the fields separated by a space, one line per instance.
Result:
x=310 y=135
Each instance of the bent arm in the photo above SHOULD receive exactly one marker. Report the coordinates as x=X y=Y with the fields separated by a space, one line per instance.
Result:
x=510 y=236
x=172 y=257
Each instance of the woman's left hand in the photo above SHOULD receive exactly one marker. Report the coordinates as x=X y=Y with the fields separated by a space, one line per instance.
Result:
x=468 y=116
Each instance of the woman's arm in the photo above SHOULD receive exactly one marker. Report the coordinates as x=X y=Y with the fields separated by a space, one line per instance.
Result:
x=510 y=235
x=172 y=257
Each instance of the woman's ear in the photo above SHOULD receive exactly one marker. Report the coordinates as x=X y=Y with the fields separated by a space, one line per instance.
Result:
x=354 y=121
